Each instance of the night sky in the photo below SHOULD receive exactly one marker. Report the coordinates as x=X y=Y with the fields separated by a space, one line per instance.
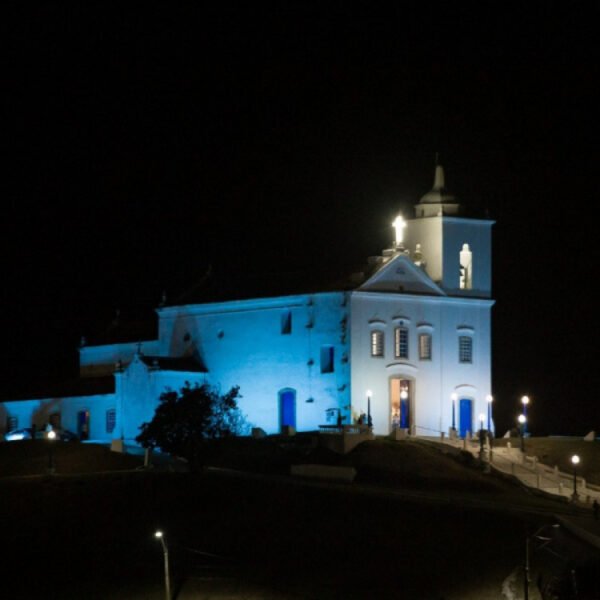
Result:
x=146 y=142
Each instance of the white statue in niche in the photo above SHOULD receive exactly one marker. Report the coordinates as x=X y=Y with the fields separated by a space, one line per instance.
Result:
x=466 y=268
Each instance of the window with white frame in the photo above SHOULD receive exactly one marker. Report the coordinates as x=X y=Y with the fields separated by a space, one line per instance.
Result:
x=425 y=346
x=377 y=343
x=401 y=342
x=465 y=349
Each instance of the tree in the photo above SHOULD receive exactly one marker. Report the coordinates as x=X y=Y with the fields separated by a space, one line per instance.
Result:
x=188 y=422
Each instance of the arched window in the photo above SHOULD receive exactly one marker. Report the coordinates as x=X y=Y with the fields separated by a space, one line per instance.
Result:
x=377 y=343
x=401 y=342
x=425 y=346
x=465 y=349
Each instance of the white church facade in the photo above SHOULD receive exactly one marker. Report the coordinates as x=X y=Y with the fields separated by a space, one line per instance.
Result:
x=407 y=341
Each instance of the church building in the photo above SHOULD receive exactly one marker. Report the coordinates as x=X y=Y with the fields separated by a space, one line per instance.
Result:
x=405 y=342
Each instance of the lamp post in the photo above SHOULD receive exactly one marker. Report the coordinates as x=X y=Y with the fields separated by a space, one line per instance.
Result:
x=575 y=462
x=522 y=420
x=489 y=399
x=369 y=419
x=525 y=402
x=454 y=398
x=481 y=435
x=528 y=538
x=159 y=535
x=51 y=436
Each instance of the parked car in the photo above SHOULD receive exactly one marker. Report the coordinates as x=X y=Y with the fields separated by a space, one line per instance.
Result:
x=18 y=434
x=27 y=433
x=64 y=435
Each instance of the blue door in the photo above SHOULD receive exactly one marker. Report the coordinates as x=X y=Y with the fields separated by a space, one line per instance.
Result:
x=465 y=417
x=83 y=424
x=287 y=408
x=404 y=416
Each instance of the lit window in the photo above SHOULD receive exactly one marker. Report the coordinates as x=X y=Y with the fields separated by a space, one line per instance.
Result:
x=376 y=343
x=12 y=423
x=326 y=359
x=286 y=323
x=111 y=420
x=425 y=346
x=465 y=349
x=401 y=342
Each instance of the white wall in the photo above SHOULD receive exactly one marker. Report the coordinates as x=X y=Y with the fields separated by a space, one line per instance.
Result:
x=434 y=380
x=241 y=344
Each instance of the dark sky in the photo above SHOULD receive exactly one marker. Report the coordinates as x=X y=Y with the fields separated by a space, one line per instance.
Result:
x=148 y=141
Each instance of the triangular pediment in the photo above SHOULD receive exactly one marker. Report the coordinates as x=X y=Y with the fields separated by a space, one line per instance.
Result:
x=401 y=275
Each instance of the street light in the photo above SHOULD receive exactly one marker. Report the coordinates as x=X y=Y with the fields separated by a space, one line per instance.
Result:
x=575 y=461
x=481 y=434
x=533 y=536
x=522 y=420
x=525 y=402
x=489 y=399
x=51 y=436
x=454 y=398
x=159 y=535
x=369 y=419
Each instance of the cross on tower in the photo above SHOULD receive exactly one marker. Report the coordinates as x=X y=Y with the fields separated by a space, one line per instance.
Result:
x=399 y=224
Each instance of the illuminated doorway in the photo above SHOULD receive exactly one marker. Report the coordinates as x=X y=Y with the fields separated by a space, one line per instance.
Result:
x=400 y=403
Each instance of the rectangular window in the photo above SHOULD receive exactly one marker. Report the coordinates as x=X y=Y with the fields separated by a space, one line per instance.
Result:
x=465 y=349
x=111 y=420
x=376 y=343
x=326 y=359
x=286 y=323
x=12 y=423
x=425 y=346
x=401 y=342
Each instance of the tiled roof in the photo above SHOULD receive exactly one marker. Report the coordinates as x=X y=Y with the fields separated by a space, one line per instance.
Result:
x=229 y=285
x=187 y=364
x=84 y=386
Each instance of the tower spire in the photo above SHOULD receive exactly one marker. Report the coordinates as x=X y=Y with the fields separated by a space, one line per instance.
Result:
x=437 y=201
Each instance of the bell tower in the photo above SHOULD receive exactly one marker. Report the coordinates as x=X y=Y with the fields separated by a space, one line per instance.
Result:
x=456 y=250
